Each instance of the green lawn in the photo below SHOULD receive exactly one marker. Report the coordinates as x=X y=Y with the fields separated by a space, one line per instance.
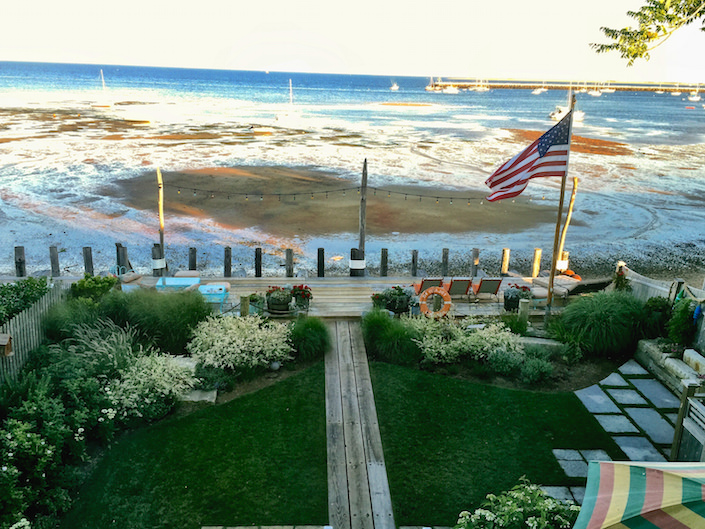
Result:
x=259 y=459
x=448 y=442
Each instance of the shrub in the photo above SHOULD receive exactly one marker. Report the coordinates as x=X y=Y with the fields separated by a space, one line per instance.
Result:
x=309 y=338
x=397 y=299
x=525 y=506
x=482 y=343
x=148 y=388
x=390 y=340
x=515 y=324
x=62 y=318
x=209 y=378
x=534 y=370
x=604 y=324
x=20 y=295
x=657 y=313
x=240 y=343
x=168 y=319
x=440 y=342
x=92 y=287
x=681 y=326
x=504 y=362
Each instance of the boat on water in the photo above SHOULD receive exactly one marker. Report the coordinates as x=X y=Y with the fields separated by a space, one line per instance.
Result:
x=432 y=86
x=607 y=89
x=540 y=89
x=451 y=90
x=660 y=90
x=561 y=111
x=695 y=94
x=394 y=87
x=104 y=101
x=676 y=92
x=481 y=86
x=595 y=92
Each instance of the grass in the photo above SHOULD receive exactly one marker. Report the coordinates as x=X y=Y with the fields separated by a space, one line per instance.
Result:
x=448 y=442
x=259 y=459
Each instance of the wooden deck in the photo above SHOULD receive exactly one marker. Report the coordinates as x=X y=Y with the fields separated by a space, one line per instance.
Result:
x=358 y=491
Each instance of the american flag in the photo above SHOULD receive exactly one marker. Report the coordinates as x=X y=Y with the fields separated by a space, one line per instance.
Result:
x=547 y=156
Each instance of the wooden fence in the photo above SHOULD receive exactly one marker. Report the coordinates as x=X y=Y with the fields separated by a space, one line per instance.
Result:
x=26 y=331
x=357 y=263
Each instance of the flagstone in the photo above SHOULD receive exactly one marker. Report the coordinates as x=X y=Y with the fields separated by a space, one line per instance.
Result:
x=657 y=393
x=626 y=396
x=596 y=400
x=567 y=454
x=632 y=367
x=574 y=469
x=616 y=424
x=578 y=494
x=656 y=427
x=558 y=493
x=595 y=455
x=615 y=379
x=638 y=448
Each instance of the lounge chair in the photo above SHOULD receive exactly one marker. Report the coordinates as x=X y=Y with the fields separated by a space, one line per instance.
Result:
x=427 y=283
x=487 y=285
x=177 y=283
x=458 y=287
x=216 y=293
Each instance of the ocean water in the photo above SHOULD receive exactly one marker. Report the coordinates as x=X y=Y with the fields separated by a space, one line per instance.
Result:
x=143 y=118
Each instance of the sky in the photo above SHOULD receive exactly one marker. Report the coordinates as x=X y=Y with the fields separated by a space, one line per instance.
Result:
x=517 y=39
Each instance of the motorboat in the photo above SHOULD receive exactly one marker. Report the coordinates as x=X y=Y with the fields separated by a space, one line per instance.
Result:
x=539 y=90
x=394 y=87
x=451 y=90
x=561 y=111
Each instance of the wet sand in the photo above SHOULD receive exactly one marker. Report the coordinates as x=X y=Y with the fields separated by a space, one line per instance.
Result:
x=284 y=202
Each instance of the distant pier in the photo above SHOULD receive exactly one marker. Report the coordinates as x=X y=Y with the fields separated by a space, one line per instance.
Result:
x=451 y=84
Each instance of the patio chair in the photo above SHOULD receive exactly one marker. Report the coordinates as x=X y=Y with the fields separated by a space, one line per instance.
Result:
x=487 y=285
x=458 y=287
x=427 y=283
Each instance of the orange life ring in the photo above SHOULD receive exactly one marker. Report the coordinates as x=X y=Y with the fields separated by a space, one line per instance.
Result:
x=423 y=306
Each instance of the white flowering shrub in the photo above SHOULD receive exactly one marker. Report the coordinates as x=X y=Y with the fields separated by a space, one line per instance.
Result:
x=440 y=341
x=240 y=343
x=482 y=344
x=147 y=389
x=525 y=506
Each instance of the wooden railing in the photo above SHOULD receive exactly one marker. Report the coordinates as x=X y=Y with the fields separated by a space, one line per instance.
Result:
x=26 y=331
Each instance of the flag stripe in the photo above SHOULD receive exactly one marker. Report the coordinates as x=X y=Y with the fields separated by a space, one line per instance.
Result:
x=545 y=157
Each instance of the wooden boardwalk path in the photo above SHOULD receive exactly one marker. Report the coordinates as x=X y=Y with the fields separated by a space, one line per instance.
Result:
x=358 y=491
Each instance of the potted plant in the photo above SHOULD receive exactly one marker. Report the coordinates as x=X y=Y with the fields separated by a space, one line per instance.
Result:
x=513 y=294
x=397 y=299
x=279 y=298
x=302 y=296
x=257 y=302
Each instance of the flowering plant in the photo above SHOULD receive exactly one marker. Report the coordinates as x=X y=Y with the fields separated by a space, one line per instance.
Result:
x=279 y=294
x=517 y=291
x=301 y=292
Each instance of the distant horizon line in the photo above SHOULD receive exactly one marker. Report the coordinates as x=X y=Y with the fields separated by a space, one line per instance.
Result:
x=446 y=79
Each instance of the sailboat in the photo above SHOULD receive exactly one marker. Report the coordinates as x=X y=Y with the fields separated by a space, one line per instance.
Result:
x=595 y=92
x=394 y=87
x=660 y=90
x=561 y=111
x=607 y=89
x=677 y=91
x=105 y=103
x=694 y=95
x=540 y=90
x=290 y=118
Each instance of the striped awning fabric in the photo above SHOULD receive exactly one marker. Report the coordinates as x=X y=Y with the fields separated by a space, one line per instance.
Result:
x=636 y=495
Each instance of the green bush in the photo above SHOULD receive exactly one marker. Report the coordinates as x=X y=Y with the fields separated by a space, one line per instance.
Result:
x=515 y=324
x=167 y=319
x=504 y=362
x=309 y=338
x=681 y=327
x=20 y=295
x=604 y=324
x=657 y=313
x=389 y=340
x=240 y=344
x=525 y=506
x=397 y=299
x=93 y=287
x=534 y=370
x=209 y=378
x=61 y=319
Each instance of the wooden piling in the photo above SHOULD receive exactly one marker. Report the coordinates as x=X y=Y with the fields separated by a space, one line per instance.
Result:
x=244 y=305
x=156 y=256
x=20 y=262
x=475 y=261
x=321 y=272
x=444 y=262
x=228 y=262
x=536 y=265
x=384 y=263
x=88 y=260
x=289 y=262
x=192 y=258
x=123 y=262
x=258 y=262
x=356 y=256
x=54 y=260
x=504 y=271
x=414 y=263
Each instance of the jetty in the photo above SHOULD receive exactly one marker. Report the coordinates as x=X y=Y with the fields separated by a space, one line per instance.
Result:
x=445 y=84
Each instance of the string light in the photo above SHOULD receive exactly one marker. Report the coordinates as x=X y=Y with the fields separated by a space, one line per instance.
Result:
x=247 y=198
x=389 y=194
x=194 y=192
x=436 y=200
x=261 y=198
x=178 y=192
x=311 y=196
x=451 y=201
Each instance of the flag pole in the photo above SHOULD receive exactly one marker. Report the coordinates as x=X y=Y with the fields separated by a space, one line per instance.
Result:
x=556 y=238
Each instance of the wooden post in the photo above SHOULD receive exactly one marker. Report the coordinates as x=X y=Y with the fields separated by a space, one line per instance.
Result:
x=414 y=263
x=228 y=262
x=536 y=265
x=156 y=258
x=258 y=262
x=475 y=261
x=689 y=389
x=54 y=260
x=444 y=262
x=524 y=310
x=384 y=263
x=357 y=266
x=244 y=305
x=20 y=262
x=289 y=262
x=504 y=271
x=192 y=258
x=123 y=263
x=88 y=260
x=363 y=210
x=160 y=184
x=676 y=287
x=564 y=231
x=321 y=263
